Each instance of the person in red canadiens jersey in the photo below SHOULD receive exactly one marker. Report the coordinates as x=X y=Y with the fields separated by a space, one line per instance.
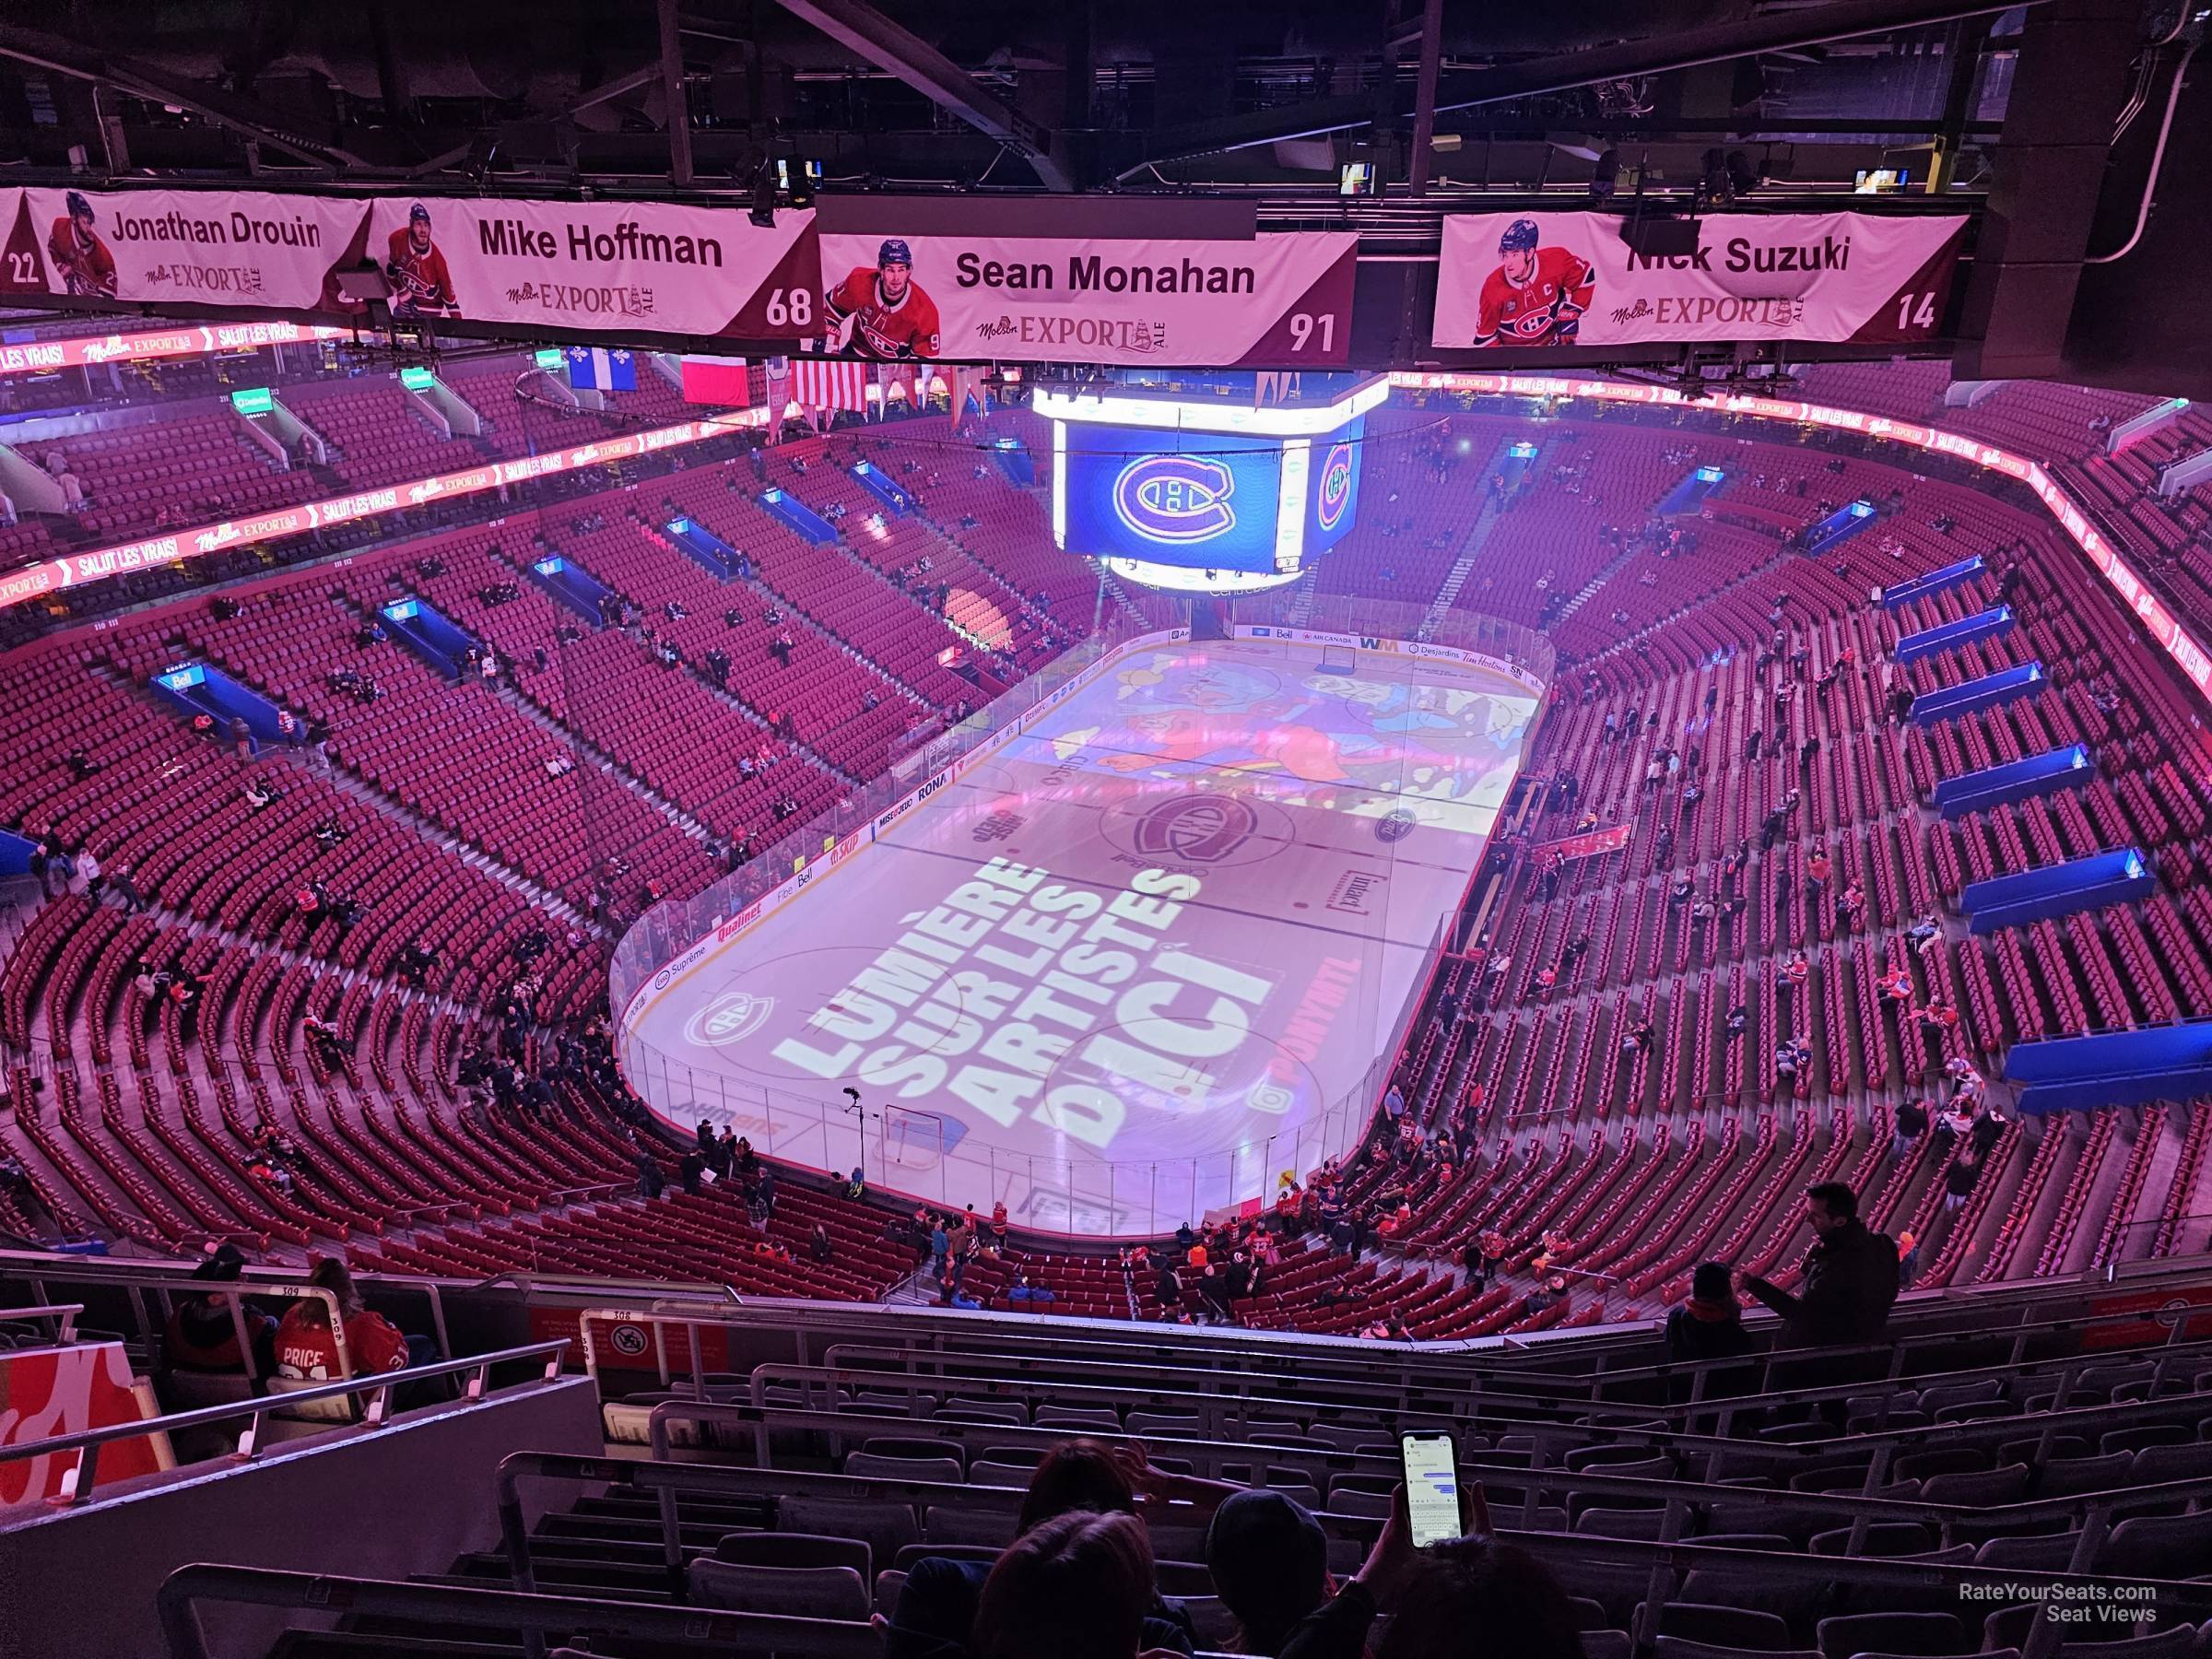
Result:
x=307 y=1351
x=891 y=317
x=1537 y=296
x=87 y=268
x=421 y=287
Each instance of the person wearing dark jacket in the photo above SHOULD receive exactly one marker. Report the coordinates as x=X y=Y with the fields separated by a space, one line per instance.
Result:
x=1850 y=1276
x=201 y=1336
x=1710 y=1325
x=935 y=1614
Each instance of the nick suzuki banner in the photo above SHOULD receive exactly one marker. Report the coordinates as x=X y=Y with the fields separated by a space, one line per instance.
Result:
x=1568 y=279
x=1275 y=301
x=658 y=266
x=633 y=266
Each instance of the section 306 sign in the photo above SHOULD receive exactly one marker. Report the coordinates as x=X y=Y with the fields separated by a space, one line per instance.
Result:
x=1544 y=279
x=1274 y=299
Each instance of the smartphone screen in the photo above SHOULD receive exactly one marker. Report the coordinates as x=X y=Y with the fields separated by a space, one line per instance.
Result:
x=1431 y=1488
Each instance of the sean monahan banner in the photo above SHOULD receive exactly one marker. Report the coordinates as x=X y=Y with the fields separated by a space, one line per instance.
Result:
x=1541 y=278
x=1277 y=300
x=657 y=268
x=175 y=546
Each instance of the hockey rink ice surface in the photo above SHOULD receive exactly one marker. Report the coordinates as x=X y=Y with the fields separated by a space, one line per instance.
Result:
x=1130 y=964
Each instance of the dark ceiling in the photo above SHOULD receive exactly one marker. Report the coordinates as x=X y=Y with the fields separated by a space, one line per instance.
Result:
x=922 y=93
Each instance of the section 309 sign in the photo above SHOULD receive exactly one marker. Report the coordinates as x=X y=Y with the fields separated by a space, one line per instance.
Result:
x=1274 y=299
x=1542 y=278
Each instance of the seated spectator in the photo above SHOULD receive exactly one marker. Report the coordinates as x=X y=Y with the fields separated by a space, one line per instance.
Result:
x=938 y=1614
x=306 y=1349
x=1269 y=1561
x=1710 y=1325
x=202 y=1336
x=1073 y=1588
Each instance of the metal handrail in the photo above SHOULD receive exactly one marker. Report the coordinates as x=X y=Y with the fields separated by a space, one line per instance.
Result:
x=1260 y=1393
x=1845 y=1506
x=63 y=1313
x=1531 y=1388
x=77 y=1485
x=177 y=1606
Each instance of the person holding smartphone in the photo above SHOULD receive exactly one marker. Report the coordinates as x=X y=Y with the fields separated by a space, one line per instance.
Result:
x=1461 y=1596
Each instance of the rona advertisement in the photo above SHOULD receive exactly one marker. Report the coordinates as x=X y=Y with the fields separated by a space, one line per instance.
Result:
x=1275 y=301
x=1540 y=278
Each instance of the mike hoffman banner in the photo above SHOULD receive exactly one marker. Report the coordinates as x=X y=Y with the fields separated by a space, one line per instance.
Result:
x=647 y=267
x=1568 y=279
x=661 y=267
x=1279 y=300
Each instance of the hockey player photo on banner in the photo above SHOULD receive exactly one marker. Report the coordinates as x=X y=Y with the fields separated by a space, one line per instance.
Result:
x=231 y=249
x=658 y=267
x=1596 y=279
x=893 y=294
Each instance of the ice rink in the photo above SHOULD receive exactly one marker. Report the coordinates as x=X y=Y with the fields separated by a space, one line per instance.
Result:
x=1129 y=964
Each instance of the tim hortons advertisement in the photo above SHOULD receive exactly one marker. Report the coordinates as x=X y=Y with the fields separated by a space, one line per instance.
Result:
x=1541 y=278
x=658 y=266
x=232 y=248
x=1275 y=301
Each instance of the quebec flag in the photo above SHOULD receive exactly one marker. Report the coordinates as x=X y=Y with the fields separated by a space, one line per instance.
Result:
x=602 y=371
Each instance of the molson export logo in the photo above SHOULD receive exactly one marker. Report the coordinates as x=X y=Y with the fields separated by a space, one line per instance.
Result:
x=1336 y=487
x=1175 y=498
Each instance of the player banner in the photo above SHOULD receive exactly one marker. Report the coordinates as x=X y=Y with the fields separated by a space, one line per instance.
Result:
x=1280 y=299
x=655 y=267
x=230 y=248
x=1568 y=279
x=659 y=266
x=1591 y=844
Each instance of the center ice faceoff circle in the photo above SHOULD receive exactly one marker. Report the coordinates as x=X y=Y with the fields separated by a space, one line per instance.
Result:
x=1166 y=928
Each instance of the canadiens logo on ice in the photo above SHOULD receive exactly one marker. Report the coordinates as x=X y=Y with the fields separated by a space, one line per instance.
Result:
x=1195 y=829
x=1175 y=498
x=729 y=1019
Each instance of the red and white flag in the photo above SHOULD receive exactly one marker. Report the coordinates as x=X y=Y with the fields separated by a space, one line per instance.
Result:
x=827 y=383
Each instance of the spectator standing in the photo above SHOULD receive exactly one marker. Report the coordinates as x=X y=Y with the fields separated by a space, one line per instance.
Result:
x=1850 y=1276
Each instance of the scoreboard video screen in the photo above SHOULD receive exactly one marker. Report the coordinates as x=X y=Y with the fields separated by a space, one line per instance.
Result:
x=1201 y=493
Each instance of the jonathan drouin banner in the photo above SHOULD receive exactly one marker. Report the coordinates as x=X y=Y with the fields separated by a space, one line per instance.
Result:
x=1274 y=299
x=1541 y=278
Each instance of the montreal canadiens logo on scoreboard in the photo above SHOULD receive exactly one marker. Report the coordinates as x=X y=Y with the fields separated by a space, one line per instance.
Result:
x=1336 y=487
x=1179 y=498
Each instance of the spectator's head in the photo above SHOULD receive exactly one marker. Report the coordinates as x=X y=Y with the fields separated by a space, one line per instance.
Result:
x=221 y=1266
x=1710 y=1283
x=330 y=1274
x=1076 y=1474
x=1473 y=1598
x=1075 y=1587
x=1270 y=1565
x=1830 y=1205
